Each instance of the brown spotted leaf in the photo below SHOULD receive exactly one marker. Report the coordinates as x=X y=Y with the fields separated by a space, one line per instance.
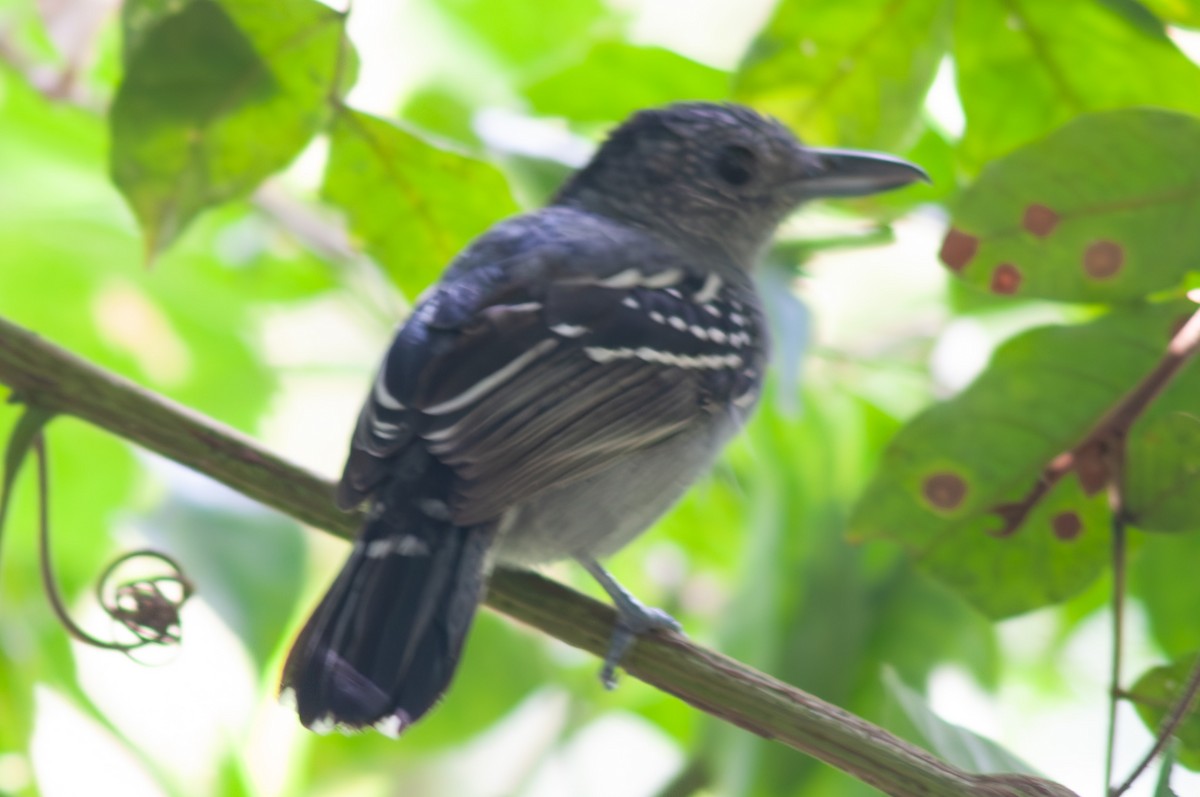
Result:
x=1101 y=210
x=955 y=476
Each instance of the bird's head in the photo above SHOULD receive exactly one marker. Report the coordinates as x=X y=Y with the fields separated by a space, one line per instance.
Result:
x=720 y=175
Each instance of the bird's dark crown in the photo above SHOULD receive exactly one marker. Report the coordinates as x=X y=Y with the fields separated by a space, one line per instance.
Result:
x=700 y=173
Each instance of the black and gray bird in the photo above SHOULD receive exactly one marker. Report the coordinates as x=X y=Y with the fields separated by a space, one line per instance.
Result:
x=573 y=372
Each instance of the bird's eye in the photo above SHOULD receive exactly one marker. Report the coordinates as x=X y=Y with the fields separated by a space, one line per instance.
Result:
x=735 y=164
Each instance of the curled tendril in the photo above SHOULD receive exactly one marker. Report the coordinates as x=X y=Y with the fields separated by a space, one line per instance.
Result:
x=141 y=606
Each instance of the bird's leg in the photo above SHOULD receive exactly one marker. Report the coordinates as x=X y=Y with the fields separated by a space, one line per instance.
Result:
x=633 y=619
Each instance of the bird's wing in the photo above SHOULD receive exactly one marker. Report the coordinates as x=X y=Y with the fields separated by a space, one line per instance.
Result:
x=523 y=385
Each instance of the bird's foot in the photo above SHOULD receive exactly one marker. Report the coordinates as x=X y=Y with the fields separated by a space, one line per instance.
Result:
x=633 y=620
x=631 y=625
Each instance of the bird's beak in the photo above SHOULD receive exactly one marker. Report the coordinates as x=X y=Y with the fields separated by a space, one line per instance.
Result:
x=847 y=172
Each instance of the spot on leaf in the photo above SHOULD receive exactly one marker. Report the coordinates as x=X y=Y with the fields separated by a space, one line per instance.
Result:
x=958 y=249
x=1040 y=220
x=944 y=491
x=1006 y=279
x=1103 y=259
x=1067 y=526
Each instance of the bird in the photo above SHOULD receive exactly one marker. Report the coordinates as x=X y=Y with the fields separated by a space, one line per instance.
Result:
x=575 y=369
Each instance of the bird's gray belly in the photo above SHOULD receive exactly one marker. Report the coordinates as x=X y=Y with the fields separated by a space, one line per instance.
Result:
x=597 y=515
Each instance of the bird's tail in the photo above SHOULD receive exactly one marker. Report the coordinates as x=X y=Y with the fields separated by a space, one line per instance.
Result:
x=383 y=644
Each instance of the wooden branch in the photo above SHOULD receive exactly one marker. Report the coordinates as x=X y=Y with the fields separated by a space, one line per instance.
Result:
x=43 y=375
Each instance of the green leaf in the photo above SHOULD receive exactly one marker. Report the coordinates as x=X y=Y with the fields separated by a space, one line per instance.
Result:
x=1177 y=12
x=1162 y=459
x=852 y=73
x=1098 y=211
x=443 y=112
x=216 y=97
x=794 y=476
x=1136 y=14
x=1162 y=579
x=524 y=34
x=140 y=16
x=954 y=744
x=1025 y=67
x=415 y=205
x=1156 y=694
x=945 y=477
x=648 y=76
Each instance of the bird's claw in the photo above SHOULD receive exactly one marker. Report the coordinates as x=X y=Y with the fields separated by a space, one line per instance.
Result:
x=633 y=620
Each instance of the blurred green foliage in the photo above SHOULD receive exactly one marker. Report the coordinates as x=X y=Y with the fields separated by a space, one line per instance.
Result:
x=190 y=105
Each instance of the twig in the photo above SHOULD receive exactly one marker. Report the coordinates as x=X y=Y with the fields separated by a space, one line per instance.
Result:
x=1178 y=712
x=1098 y=456
x=53 y=379
x=1118 y=635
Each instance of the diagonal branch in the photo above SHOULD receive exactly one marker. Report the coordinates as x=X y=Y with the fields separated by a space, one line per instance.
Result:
x=43 y=375
x=1098 y=459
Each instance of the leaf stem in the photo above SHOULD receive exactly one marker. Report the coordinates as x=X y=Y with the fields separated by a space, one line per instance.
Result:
x=1178 y=712
x=45 y=563
x=1118 y=633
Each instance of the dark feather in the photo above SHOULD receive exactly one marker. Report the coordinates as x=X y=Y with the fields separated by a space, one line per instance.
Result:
x=383 y=644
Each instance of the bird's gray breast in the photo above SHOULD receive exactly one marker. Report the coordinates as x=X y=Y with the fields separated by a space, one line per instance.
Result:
x=597 y=515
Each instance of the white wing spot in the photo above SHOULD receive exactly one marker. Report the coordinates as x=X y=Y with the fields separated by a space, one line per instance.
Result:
x=493 y=380
x=699 y=332
x=677 y=323
x=602 y=355
x=569 y=330
x=388 y=431
x=647 y=354
x=717 y=335
x=382 y=396
x=524 y=307
x=434 y=508
x=657 y=317
x=629 y=278
x=323 y=725
x=408 y=545
x=710 y=289
x=630 y=302
x=663 y=278
x=746 y=399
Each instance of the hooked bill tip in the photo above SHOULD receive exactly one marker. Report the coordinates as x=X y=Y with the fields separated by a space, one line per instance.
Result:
x=848 y=173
